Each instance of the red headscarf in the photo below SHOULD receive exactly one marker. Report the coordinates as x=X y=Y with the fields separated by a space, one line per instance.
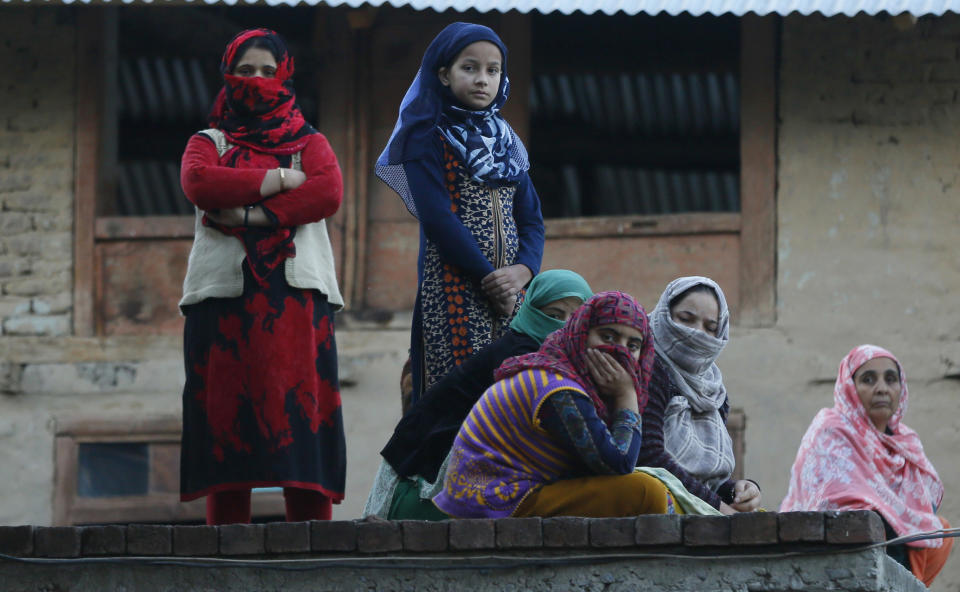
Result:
x=564 y=350
x=260 y=113
x=845 y=463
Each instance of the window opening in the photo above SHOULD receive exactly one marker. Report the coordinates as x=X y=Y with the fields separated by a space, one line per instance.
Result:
x=112 y=469
x=635 y=115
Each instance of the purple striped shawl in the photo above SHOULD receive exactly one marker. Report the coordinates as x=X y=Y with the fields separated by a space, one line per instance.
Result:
x=501 y=453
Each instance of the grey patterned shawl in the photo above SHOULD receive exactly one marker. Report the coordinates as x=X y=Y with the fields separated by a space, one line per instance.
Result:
x=693 y=430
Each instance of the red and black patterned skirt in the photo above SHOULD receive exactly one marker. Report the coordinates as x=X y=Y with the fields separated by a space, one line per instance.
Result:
x=261 y=403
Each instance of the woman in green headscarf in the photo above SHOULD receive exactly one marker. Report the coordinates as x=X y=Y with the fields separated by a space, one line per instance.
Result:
x=414 y=456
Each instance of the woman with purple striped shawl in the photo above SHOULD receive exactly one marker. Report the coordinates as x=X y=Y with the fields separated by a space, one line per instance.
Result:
x=559 y=433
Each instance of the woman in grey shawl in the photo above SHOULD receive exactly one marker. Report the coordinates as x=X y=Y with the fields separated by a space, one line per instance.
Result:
x=684 y=424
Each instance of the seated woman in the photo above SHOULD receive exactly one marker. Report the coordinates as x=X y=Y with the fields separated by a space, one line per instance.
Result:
x=684 y=425
x=414 y=456
x=857 y=455
x=559 y=433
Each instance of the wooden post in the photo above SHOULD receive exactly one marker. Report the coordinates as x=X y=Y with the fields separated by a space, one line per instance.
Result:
x=361 y=24
x=515 y=30
x=333 y=42
x=758 y=170
x=90 y=73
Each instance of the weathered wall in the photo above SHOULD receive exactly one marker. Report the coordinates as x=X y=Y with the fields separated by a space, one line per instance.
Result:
x=36 y=216
x=867 y=219
x=36 y=172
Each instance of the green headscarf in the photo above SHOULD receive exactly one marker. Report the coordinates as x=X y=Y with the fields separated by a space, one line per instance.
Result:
x=548 y=286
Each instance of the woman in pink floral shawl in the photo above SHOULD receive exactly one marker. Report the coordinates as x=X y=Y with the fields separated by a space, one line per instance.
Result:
x=858 y=455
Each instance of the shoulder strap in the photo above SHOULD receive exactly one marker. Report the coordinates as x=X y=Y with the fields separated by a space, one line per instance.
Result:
x=219 y=139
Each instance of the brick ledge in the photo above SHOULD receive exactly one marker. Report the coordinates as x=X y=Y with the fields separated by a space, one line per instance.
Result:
x=756 y=532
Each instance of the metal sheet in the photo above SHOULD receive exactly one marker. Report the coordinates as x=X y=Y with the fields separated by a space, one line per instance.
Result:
x=673 y=7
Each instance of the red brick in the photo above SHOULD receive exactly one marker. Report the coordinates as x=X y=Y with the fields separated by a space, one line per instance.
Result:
x=519 y=533
x=753 y=528
x=473 y=533
x=195 y=541
x=56 y=541
x=379 y=537
x=288 y=537
x=859 y=526
x=565 y=531
x=701 y=531
x=149 y=539
x=613 y=532
x=242 y=539
x=327 y=535
x=658 y=529
x=103 y=540
x=16 y=540
x=422 y=535
x=801 y=527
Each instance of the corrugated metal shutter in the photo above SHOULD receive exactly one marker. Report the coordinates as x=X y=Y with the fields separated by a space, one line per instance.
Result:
x=656 y=108
x=166 y=91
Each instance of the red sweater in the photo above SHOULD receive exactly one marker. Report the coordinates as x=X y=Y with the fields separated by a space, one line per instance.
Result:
x=212 y=186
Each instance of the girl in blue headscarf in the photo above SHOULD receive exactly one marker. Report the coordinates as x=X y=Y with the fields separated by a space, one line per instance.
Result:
x=462 y=172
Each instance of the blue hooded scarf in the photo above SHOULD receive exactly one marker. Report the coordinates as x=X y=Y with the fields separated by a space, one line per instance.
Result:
x=489 y=149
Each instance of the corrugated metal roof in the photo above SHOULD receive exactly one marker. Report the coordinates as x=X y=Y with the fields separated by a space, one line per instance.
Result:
x=673 y=7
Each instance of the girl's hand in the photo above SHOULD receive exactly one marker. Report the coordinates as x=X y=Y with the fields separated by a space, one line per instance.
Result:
x=746 y=496
x=726 y=510
x=506 y=281
x=612 y=380
x=504 y=306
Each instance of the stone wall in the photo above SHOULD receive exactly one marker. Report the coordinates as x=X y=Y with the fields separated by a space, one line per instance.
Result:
x=37 y=102
x=37 y=94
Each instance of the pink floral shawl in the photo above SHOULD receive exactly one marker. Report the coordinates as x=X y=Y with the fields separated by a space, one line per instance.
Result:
x=845 y=463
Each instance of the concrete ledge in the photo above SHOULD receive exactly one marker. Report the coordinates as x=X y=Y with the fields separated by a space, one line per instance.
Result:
x=643 y=533
x=800 y=551
x=825 y=568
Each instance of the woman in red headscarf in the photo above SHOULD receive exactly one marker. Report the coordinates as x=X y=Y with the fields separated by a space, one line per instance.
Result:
x=559 y=433
x=261 y=403
x=858 y=455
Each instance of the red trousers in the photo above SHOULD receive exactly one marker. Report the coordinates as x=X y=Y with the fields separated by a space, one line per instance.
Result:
x=233 y=507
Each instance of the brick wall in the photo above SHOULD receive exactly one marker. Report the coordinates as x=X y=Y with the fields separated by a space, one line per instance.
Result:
x=37 y=90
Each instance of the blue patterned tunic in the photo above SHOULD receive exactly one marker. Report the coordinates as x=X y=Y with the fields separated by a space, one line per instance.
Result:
x=467 y=230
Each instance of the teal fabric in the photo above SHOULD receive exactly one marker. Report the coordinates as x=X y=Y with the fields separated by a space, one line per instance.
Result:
x=548 y=286
x=408 y=505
